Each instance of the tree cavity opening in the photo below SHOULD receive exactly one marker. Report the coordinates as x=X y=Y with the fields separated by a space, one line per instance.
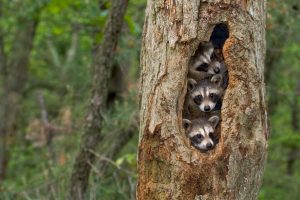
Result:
x=207 y=82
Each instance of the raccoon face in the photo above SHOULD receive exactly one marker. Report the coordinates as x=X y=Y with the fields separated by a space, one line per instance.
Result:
x=214 y=67
x=203 y=58
x=211 y=67
x=217 y=67
x=206 y=60
x=201 y=132
x=207 y=93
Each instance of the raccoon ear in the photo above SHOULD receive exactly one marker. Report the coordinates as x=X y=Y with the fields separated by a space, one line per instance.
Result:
x=214 y=120
x=217 y=79
x=186 y=123
x=191 y=84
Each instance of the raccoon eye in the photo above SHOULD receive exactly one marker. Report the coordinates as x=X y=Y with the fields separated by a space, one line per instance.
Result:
x=198 y=99
x=202 y=67
x=199 y=136
x=212 y=95
x=211 y=134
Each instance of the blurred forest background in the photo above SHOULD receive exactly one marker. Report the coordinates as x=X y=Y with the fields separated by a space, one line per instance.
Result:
x=46 y=58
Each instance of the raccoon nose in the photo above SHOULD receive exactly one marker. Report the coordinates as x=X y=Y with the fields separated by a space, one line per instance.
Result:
x=206 y=108
x=209 y=145
x=216 y=70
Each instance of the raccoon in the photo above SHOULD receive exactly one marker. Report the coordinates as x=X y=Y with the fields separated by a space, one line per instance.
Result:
x=190 y=85
x=206 y=63
x=203 y=56
x=198 y=67
x=201 y=132
x=205 y=96
x=220 y=68
x=216 y=67
x=192 y=111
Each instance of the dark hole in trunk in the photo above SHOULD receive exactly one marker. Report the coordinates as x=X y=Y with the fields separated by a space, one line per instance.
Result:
x=207 y=81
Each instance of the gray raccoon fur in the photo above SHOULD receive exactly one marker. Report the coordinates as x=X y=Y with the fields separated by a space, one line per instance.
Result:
x=201 y=132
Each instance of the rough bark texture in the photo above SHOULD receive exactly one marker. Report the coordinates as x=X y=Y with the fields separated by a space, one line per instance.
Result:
x=169 y=167
x=102 y=71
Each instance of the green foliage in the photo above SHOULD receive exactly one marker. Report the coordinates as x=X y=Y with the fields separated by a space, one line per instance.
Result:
x=67 y=26
x=64 y=80
x=282 y=56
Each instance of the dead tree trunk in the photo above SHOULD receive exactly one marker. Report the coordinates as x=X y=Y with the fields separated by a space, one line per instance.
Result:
x=168 y=167
x=93 y=127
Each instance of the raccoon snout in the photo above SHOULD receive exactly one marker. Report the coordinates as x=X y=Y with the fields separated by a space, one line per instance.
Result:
x=206 y=108
x=216 y=70
x=209 y=146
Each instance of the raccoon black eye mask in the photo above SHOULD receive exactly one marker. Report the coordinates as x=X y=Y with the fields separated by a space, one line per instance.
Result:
x=207 y=81
x=206 y=93
x=200 y=131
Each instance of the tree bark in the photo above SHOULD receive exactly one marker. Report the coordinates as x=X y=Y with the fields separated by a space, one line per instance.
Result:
x=102 y=71
x=168 y=167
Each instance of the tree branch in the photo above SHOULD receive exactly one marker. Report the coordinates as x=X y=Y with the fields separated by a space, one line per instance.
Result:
x=116 y=140
x=2 y=53
x=48 y=130
x=72 y=49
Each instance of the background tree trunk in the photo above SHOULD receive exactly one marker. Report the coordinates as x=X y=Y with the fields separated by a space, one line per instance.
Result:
x=102 y=72
x=293 y=154
x=113 y=143
x=168 y=167
x=14 y=69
